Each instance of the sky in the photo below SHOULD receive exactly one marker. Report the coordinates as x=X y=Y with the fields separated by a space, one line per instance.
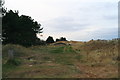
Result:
x=78 y=20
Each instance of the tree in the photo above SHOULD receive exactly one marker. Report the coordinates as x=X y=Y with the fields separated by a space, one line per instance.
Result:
x=20 y=29
x=57 y=40
x=61 y=39
x=50 y=40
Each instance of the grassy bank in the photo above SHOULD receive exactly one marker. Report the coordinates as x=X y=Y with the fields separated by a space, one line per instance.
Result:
x=94 y=59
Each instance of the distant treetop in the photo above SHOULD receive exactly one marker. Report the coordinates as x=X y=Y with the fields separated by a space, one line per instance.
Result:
x=50 y=40
x=61 y=39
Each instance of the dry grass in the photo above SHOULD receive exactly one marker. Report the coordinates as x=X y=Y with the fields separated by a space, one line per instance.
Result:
x=93 y=59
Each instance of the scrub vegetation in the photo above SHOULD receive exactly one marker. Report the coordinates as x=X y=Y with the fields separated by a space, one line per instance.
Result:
x=92 y=59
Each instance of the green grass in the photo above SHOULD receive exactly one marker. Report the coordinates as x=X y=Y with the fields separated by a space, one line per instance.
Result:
x=64 y=60
x=9 y=66
x=57 y=50
x=44 y=54
x=46 y=58
x=62 y=49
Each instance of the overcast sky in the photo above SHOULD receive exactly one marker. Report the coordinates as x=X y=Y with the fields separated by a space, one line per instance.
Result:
x=79 y=20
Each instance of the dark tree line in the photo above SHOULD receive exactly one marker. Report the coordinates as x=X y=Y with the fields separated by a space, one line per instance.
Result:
x=51 y=40
x=20 y=29
x=61 y=39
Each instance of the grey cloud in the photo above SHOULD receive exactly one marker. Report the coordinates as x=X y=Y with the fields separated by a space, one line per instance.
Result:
x=84 y=16
x=68 y=24
x=108 y=33
x=112 y=17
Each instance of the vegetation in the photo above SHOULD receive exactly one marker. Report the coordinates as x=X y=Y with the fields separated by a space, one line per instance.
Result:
x=61 y=39
x=20 y=30
x=50 y=40
x=78 y=60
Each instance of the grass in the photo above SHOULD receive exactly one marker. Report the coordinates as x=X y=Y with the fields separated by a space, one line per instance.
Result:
x=64 y=60
x=73 y=61
x=62 y=49
x=9 y=66
x=57 y=50
x=78 y=57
